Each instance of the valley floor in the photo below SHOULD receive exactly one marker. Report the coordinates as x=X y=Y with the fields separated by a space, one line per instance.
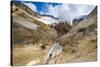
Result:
x=33 y=55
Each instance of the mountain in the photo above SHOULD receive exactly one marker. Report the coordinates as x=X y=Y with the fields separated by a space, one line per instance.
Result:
x=78 y=19
x=27 y=28
x=61 y=27
x=48 y=19
x=90 y=20
x=23 y=15
x=81 y=41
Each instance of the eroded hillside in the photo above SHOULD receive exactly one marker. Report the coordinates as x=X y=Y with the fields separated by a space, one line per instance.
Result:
x=80 y=43
x=29 y=36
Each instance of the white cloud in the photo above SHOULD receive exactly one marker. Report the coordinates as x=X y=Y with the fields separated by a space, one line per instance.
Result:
x=53 y=11
x=68 y=11
x=31 y=6
x=82 y=9
x=64 y=11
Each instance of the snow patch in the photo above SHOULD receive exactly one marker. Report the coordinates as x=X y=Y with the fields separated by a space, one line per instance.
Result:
x=49 y=20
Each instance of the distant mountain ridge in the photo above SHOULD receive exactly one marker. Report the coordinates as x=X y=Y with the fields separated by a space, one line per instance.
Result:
x=32 y=13
x=46 y=18
x=78 y=19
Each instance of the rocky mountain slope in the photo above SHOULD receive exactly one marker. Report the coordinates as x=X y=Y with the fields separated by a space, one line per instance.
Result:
x=27 y=28
x=78 y=19
x=80 y=43
x=61 y=28
x=29 y=35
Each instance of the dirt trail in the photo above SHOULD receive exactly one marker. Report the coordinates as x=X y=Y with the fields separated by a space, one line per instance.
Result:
x=54 y=50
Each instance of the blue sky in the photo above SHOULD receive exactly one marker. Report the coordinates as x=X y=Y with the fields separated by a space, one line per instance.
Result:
x=41 y=6
x=62 y=11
